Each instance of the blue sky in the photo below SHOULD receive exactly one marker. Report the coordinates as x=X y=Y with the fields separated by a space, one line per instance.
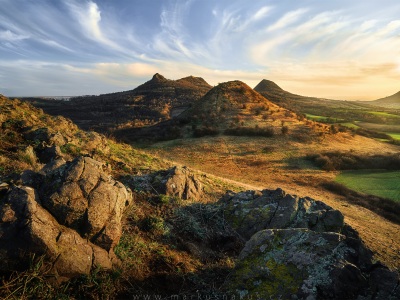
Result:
x=333 y=49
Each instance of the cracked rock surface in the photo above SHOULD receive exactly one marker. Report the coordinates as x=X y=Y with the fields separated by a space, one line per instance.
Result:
x=71 y=212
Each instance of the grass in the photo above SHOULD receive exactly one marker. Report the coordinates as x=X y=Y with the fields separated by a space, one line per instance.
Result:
x=384 y=114
x=350 y=125
x=395 y=136
x=322 y=118
x=379 y=183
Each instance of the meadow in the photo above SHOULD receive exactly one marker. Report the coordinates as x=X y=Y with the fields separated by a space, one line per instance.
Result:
x=379 y=183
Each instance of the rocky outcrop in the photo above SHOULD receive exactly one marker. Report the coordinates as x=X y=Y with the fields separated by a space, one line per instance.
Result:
x=252 y=211
x=299 y=248
x=178 y=182
x=83 y=197
x=70 y=212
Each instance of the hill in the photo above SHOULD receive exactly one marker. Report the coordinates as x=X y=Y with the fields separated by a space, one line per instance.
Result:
x=392 y=101
x=231 y=108
x=368 y=118
x=82 y=216
x=156 y=100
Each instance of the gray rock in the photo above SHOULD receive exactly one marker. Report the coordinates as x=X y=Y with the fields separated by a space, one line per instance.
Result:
x=304 y=264
x=178 y=182
x=251 y=211
x=300 y=248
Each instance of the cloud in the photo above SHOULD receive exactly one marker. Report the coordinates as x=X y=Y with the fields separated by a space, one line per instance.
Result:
x=262 y=12
x=288 y=19
x=7 y=35
x=88 y=15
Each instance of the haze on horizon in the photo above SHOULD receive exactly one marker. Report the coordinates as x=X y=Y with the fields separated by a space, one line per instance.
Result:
x=333 y=49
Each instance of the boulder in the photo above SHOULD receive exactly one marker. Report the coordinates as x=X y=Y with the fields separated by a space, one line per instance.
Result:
x=304 y=264
x=252 y=211
x=179 y=182
x=70 y=212
x=300 y=248
x=82 y=196
x=26 y=228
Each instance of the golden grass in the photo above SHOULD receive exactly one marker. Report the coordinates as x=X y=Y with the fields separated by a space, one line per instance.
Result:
x=258 y=163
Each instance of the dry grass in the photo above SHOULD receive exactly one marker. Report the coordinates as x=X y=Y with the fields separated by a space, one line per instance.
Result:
x=279 y=162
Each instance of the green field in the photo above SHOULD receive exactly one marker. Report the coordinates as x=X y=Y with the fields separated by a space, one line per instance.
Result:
x=350 y=125
x=395 y=136
x=379 y=183
x=322 y=118
x=384 y=114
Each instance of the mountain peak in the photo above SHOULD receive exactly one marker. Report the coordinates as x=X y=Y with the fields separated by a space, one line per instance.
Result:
x=265 y=85
x=158 y=78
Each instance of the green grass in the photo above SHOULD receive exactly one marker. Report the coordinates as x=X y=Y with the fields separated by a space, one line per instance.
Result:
x=350 y=125
x=379 y=183
x=322 y=118
x=395 y=136
x=383 y=114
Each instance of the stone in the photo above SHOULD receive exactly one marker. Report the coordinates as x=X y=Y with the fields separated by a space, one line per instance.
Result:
x=178 y=182
x=304 y=264
x=250 y=212
x=83 y=197
x=31 y=229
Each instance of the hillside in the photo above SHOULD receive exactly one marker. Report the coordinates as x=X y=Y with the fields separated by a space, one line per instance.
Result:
x=156 y=100
x=392 y=101
x=368 y=118
x=231 y=108
x=140 y=225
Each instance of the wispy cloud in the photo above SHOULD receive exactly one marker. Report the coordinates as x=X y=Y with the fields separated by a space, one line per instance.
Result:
x=89 y=17
x=288 y=19
x=7 y=35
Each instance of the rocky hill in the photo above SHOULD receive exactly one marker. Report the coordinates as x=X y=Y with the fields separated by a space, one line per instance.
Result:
x=231 y=108
x=156 y=100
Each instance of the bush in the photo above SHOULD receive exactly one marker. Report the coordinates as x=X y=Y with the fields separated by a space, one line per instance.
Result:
x=330 y=161
x=250 y=131
x=199 y=132
x=285 y=129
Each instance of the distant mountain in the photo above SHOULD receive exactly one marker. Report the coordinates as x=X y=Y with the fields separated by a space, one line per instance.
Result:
x=275 y=93
x=389 y=102
x=156 y=100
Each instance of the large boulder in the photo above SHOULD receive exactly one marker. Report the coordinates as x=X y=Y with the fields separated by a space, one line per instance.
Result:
x=26 y=228
x=252 y=211
x=82 y=196
x=71 y=212
x=304 y=264
x=300 y=248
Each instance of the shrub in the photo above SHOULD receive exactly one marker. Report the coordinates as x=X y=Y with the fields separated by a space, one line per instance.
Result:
x=250 y=131
x=199 y=132
x=285 y=129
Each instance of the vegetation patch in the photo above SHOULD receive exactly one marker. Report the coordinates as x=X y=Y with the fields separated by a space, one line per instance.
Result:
x=330 y=161
x=250 y=131
x=387 y=208
x=378 y=183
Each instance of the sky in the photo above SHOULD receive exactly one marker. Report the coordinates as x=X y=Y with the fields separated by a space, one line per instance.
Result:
x=333 y=49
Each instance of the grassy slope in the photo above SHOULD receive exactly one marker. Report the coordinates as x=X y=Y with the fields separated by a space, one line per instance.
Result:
x=379 y=183
x=278 y=162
